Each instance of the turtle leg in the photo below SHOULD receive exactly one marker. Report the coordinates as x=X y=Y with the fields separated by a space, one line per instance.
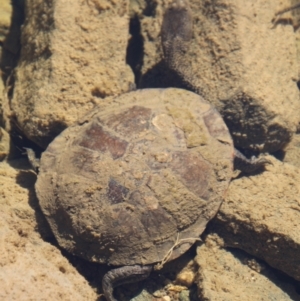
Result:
x=33 y=160
x=277 y=19
x=122 y=275
x=248 y=165
x=289 y=8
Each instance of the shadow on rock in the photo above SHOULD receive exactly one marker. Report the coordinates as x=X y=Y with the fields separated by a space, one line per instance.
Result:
x=161 y=76
x=26 y=179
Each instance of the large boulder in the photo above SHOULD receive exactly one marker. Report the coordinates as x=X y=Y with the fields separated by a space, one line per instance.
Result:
x=73 y=55
x=232 y=54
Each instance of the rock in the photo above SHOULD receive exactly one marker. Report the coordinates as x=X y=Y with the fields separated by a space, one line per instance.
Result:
x=144 y=296
x=73 y=55
x=184 y=295
x=5 y=144
x=261 y=215
x=31 y=267
x=153 y=71
x=5 y=15
x=292 y=151
x=225 y=275
x=136 y=7
x=186 y=276
x=237 y=61
x=289 y=14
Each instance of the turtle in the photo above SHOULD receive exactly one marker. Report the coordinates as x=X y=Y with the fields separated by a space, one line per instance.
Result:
x=140 y=178
x=134 y=184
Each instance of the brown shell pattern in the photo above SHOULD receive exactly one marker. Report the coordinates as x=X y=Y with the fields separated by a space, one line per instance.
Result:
x=150 y=167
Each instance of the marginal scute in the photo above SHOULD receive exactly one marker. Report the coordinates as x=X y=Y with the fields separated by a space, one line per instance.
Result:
x=216 y=128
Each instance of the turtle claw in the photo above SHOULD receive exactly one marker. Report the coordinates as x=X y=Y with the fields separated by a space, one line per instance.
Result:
x=33 y=160
x=260 y=161
x=249 y=165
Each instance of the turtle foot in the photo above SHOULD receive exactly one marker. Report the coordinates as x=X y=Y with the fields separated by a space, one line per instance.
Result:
x=33 y=160
x=122 y=275
x=248 y=165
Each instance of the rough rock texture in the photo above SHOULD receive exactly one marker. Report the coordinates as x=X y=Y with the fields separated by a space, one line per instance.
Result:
x=261 y=215
x=69 y=62
x=5 y=14
x=31 y=269
x=1 y=101
x=4 y=144
x=152 y=71
x=237 y=60
x=291 y=153
x=225 y=275
x=288 y=13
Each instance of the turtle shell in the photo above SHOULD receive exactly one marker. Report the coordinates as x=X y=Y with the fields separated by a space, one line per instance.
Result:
x=148 y=169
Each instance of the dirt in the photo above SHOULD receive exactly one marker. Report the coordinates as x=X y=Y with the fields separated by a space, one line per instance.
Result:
x=59 y=43
x=234 y=275
x=30 y=268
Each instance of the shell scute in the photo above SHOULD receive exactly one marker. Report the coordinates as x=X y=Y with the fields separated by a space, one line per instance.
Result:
x=96 y=138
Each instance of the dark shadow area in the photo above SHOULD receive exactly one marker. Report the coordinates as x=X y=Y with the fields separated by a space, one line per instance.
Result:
x=11 y=47
x=19 y=142
x=150 y=8
x=280 y=154
x=93 y=272
x=135 y=48
x=55 y=127
x=161 y=76
x=27 y=179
